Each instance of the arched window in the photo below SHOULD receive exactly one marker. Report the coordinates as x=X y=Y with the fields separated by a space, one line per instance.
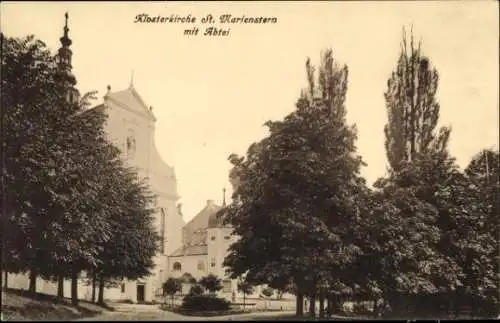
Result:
x=130 y=143
x=177 y=266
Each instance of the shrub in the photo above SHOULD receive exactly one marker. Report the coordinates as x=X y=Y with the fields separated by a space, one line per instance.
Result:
x=268 y=292
x=211 y=283
x=205 y=303
x=196 y=290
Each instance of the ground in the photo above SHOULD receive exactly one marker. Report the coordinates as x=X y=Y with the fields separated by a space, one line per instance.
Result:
x=138 y=312
x=17 y=306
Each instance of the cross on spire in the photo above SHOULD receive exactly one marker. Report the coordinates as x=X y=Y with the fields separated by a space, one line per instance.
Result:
x=132 y=79
x=66 y=29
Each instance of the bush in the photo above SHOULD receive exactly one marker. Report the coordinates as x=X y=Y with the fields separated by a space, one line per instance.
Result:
x=196 y=290
x=363 y=308
x=205 y=303
x=268 y=292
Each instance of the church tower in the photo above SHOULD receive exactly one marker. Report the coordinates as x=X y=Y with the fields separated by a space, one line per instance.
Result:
x=64 y=67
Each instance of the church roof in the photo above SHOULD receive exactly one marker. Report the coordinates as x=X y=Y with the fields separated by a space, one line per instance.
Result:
x=190 y=251
x=200 y=221
x=216 y=219
x=129 y=98
x=195 y=232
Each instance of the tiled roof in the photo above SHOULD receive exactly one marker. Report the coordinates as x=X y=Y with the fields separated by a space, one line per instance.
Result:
x=199 y=222
x=190 y=251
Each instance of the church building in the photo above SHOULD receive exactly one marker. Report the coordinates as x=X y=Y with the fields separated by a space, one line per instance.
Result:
x=131 y=127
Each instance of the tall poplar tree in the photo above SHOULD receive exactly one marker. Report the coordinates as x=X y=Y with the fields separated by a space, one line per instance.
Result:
x=412 y=108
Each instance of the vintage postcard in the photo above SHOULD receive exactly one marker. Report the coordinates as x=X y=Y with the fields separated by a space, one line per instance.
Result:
x=249 y=160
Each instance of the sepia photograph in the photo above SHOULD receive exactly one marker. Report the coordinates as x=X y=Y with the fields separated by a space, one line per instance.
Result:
x=249 y=160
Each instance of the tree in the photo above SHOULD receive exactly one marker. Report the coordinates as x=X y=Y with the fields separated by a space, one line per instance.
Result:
x=211 y=283
x=47 y=146
x=171 y=287
x=187 y=278
x=245 y=288
x=477 y=239
x=296 y=201
x=129 y=251
x=412 y=108
x=424 y=197
x=71 y=205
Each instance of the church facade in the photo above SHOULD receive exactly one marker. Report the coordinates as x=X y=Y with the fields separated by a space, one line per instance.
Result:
x=131 y=127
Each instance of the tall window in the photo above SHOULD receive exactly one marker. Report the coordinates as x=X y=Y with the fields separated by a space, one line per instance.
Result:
x=130 y=143
x=201 y=265
x=213 y=263
x=226 y=286
x=177 y=266
x=162 y=231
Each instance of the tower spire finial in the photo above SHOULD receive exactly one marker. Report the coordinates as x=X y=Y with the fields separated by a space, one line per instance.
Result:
x=224 y=196
x=66 y=29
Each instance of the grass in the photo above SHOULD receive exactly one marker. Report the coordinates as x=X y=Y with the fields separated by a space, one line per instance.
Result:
x=19 y=305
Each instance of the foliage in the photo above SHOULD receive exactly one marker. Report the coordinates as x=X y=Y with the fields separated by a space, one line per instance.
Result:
x=172 y=286
x=298 y=189
x=211 y=283
x=196 y=290
x=245 y=287
x=134 y=241
x=268 y=292
x=413 y=112
x=193 y=302
x=48 y=150
x=187 y=278
x=429 y=232
x=72 y=205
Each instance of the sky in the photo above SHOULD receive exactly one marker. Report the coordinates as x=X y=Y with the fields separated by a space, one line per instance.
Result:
x=211 y=95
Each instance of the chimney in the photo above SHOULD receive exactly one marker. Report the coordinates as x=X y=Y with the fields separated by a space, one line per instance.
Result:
x=210 y=202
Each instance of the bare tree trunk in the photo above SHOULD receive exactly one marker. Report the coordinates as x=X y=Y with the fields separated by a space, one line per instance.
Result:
x=74 y=287
x=94 y=283
x=6 y=279
x=60 y=288
x=244 y=298
x=312 y=304
x=32 y=285
x=329 y=303
x=321 y=304
x=299 y=304
x=100 y=299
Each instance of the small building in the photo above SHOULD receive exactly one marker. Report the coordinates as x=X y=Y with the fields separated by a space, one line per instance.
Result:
x=206 y=241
